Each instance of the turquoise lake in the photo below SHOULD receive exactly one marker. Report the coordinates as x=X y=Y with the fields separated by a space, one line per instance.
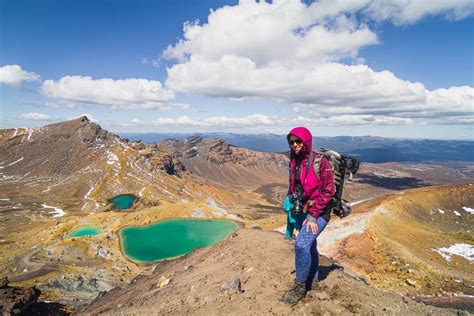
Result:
x=123 y=201
x=86 y=230
x=172 y=238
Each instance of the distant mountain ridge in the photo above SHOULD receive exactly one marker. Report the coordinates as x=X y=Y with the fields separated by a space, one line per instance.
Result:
x=215 y=160
x=367 y=148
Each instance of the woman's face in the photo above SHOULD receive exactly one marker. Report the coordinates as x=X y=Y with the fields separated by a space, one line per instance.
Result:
x=296 y=144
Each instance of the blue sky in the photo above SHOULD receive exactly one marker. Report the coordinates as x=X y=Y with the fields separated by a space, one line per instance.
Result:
x=395 y=69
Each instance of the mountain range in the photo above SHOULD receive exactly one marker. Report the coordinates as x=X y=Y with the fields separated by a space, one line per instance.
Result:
x=366 y=148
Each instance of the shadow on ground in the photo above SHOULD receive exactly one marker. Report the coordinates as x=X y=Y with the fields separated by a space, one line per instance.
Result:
x=324 y=271
x=43 y=308
x=391 y=183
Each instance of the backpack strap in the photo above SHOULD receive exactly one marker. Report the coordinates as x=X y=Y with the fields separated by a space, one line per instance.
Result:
x=317 y=164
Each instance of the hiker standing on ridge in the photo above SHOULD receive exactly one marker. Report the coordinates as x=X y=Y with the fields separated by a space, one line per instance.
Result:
x=312 y=196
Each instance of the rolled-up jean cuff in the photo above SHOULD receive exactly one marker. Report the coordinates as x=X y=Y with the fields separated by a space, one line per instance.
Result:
x=310 y=219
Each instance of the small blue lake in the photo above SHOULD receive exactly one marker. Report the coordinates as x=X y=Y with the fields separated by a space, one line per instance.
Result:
x=85 y=230
x=172 y=238
x=123 y=201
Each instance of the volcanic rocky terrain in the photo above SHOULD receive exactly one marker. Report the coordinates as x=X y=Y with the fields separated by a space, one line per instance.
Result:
x=61 y=176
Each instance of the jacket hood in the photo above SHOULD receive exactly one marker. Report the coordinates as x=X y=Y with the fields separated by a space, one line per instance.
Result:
x=305 y=135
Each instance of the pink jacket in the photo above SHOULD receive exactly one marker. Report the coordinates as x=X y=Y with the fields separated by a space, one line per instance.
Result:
x=319 y=190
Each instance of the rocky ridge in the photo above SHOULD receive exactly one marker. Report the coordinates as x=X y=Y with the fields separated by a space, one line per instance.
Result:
x=224 y=165
x=79 y=162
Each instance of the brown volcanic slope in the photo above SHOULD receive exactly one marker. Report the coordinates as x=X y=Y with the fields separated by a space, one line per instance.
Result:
x=58 y=177
x=225 y=165
x=399 y=248
x=79 y=165
x=247 y=274
x=259 y=179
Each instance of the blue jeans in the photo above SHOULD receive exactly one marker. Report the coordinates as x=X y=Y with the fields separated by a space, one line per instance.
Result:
x=306 y=253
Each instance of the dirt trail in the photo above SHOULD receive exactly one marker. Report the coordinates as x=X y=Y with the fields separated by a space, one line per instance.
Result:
x=247 y=274
x=338 y=229
x=31 y=268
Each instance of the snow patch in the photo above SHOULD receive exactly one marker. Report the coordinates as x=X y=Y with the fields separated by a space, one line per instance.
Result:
x=441 y=211
x=198 y=213
x=468 y=209
x=111 y=158
x=464 y=250
x=86 y=197
x=30 y=132
x=11 y=164
x=210 y=202
x=457 y=213
x=358 y=202
x=7 y=199
x=57 y=211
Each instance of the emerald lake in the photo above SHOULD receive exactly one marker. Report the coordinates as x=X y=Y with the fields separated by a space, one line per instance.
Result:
x=123 y=201
x=172 y=238
x=85 y=230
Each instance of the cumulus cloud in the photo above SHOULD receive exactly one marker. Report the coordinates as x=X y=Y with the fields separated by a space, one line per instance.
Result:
x=267 y=33
x=34 y=116
x=14 y=75
x=291 y=51
x=124 y=94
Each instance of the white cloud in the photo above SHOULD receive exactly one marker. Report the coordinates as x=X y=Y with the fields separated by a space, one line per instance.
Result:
x=124 y=94
x=264 y=122
x=350 y=120
x=290 y=51
x=223 y=122
x=156 y=62
x=402 y=12
x=267 y=33
x=136 y=121
x=14 y=75
x=89 y=116
x=34 y=116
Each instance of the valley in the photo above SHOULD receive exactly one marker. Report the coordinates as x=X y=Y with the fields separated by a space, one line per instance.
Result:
x=60 y=177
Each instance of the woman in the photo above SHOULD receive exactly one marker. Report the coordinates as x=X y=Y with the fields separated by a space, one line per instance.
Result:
x=316 y=194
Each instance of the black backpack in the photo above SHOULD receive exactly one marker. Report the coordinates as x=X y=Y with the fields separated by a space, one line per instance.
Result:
x=341 y=166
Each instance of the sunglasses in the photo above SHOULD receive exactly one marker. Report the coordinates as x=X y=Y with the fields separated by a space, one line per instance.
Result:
x=296 y=141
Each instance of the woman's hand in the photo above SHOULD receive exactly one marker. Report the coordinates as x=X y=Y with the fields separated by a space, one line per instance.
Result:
x=313 y=226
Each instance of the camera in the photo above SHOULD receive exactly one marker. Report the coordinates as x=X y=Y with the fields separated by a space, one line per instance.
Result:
x=298 y=199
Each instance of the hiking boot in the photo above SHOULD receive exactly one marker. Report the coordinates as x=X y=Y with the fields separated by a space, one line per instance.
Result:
x=294 y=295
